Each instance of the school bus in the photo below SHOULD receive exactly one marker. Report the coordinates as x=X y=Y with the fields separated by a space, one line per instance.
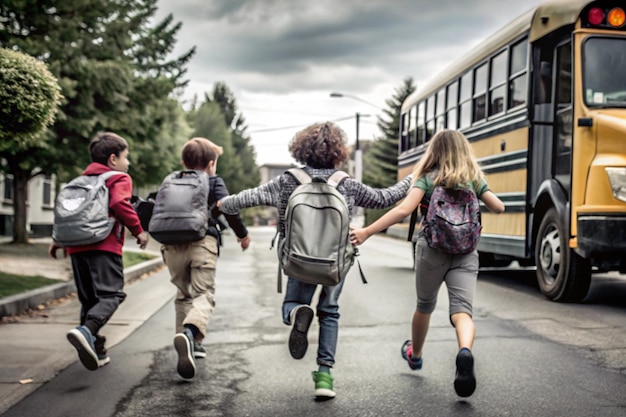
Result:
x=543 y=103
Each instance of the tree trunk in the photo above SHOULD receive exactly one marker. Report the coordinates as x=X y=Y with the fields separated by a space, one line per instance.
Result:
x=20 y=193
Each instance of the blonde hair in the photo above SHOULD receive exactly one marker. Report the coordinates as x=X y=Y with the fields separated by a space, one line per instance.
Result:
x=198 y=152
x=450 y=155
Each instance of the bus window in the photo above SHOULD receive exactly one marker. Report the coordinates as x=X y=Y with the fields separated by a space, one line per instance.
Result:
x=411 y=127
x=480 y=92
x=604 y=61
x=518 y=81
x=563 y=151
x=452 y=92
x=430 y=117
x=465 y=100
x=440 y=116
x=404 y=133
x=421 y=128
x=497 y=84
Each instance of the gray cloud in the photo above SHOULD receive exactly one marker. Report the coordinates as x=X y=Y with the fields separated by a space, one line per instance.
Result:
x=282 y=58
x=265 y=44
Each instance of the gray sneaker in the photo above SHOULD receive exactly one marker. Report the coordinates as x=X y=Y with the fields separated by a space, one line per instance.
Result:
x=183 y=343
x=198 y=350
x=83 y=341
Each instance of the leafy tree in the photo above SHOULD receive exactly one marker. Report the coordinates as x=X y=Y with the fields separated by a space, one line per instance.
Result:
x=29 y=95
x=208 y=122
x=248 y=175
x=111 y=62
x=381 y=158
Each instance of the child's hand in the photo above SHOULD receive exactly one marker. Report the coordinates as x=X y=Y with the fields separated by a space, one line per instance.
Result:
x=357 y=235
x=244 y=242
x=142 y=239
x=52 y=250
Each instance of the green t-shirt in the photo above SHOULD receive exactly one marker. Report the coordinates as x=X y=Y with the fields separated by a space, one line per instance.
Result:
x=426 y=183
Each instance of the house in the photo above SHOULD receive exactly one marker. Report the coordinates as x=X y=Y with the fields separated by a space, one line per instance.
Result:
x=39 y=205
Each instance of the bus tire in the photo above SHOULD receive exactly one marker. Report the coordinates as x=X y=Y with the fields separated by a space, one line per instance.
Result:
x=562 y=275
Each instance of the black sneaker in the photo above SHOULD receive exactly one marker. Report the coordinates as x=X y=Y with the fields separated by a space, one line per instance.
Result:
x=301 y=318
x=183 y=343
x=83 y=341
x=198 y=350
x=465 y=381
x=101 y=350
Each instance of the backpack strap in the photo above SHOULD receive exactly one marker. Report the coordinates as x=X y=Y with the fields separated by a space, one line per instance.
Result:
x=300 y=175
x=336 y=178
x=108 y=174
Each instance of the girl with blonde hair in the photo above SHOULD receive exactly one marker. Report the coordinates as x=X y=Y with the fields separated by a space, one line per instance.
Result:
x=448 y=160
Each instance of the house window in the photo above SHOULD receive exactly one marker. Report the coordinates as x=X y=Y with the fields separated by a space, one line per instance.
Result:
x=47 y=192
x=8 y=188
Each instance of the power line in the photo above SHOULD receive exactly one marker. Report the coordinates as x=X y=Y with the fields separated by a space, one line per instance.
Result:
x=274 y=129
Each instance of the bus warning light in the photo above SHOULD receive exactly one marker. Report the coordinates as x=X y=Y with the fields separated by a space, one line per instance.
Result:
x=616 y=17
x=596 y=16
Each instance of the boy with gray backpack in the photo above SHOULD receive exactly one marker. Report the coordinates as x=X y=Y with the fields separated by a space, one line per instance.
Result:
x=91 y=213
x=321 y=148
x=184 y=220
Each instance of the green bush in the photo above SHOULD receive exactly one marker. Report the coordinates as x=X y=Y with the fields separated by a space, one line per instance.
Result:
x=29 y=97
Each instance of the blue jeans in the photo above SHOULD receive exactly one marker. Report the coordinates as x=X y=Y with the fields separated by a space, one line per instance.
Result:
x=298 y=293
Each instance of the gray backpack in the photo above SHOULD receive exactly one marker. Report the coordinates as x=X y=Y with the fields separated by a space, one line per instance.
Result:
x=181 y=213
x=81 y=212
x=316 y=248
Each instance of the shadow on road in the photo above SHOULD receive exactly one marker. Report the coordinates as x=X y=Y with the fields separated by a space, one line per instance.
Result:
x=606 y=289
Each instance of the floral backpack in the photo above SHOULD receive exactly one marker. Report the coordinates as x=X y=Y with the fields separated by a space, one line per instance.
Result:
x=452 y=222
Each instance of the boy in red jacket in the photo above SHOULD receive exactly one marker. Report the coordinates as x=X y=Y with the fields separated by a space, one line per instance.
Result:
x=98 y=269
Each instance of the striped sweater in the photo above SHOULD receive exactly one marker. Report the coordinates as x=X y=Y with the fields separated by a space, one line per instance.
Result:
x=276 y=193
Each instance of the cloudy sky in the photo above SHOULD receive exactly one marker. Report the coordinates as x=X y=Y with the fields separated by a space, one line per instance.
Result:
x=283 y=58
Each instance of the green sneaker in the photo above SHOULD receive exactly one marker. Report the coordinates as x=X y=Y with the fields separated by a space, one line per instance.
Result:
x=323 y=385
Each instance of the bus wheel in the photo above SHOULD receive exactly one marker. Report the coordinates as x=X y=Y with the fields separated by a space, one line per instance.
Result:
x=562 y=274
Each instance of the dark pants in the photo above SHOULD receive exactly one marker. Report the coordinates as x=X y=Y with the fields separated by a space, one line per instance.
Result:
x=99 y=278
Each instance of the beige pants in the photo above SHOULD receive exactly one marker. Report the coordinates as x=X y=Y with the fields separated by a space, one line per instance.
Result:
x=192 y=271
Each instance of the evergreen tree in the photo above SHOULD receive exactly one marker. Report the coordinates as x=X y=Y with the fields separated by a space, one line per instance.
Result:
x=208 y=122
x=111 y=63
x=248 y=176
x=381 y=158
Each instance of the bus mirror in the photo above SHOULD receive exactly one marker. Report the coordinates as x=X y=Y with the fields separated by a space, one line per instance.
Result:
x=585 y=122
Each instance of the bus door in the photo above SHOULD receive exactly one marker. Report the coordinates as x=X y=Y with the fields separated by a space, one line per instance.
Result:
x=550 y=152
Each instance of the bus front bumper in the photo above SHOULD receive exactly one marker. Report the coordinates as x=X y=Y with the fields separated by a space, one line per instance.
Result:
x=603 y=239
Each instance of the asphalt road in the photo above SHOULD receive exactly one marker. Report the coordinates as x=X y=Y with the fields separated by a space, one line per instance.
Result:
x=533 y=357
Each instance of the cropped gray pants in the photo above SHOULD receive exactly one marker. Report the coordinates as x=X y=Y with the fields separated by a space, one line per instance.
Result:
x=433 y=268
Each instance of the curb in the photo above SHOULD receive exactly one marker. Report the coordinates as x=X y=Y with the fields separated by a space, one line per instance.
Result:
x=19 y=303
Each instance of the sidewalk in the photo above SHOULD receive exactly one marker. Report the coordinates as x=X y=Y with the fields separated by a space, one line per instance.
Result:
x=34 y=348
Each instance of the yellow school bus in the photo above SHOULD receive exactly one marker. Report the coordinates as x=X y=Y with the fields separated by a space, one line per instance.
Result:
x=543 y=102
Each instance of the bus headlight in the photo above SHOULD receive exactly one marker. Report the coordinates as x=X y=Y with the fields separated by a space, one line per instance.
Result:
x=617 y=179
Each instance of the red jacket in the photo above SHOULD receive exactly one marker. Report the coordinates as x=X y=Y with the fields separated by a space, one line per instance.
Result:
x=120 y=192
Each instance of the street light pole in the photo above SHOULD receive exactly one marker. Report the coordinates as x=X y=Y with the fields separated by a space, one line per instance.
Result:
x=358 y=218
x=358 y=155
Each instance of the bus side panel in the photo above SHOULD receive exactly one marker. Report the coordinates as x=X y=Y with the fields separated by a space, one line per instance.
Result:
x=503 y=159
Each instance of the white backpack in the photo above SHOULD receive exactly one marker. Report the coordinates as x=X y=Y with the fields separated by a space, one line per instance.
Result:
x=81 y=212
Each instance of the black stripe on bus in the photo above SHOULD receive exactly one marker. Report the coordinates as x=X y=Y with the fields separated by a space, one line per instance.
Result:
x=477 y=133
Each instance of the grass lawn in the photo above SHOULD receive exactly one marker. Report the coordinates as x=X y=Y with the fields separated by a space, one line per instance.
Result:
x=14 y=284
x=11 y=284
